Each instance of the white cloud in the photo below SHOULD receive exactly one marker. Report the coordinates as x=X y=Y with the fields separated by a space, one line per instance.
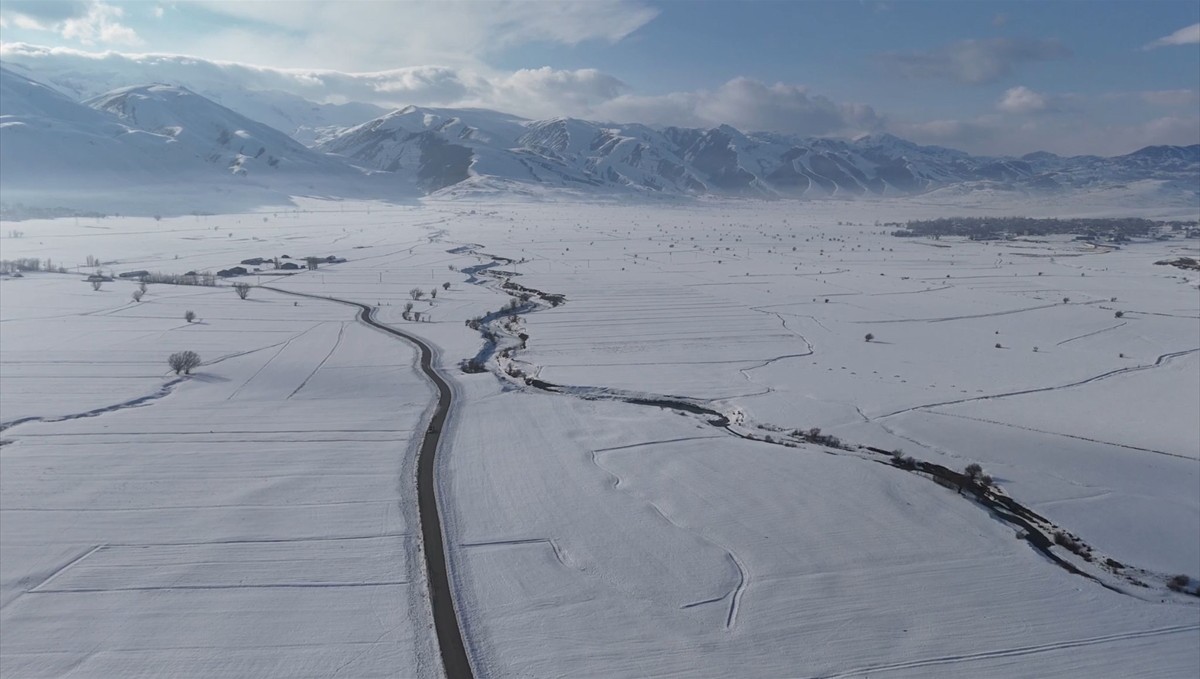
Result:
x=1077 y=126
x=1021 y=100
x=1169 y=98
x=363 y=36
x=974 y=61
x=749 y=105
x=84 y=21
x=973 y=134
x=539 y=91
x=1188 y=35
x=535 y=93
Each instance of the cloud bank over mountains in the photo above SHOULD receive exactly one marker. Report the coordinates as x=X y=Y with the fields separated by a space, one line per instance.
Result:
x=987 y=89
x=535 y=93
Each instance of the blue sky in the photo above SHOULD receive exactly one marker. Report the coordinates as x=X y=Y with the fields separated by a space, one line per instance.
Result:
x=996 y=77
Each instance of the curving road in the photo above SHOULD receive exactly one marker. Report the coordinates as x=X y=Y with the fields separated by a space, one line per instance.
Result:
x=445 y=618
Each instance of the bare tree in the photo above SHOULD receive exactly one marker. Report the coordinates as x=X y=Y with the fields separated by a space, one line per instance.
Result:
x=137 y=295
x=869 y=337
x=433 y=293
x=446 y=285
x=242 y=290
x=184 y=361
x=96 y=284
x=416 y=293
x=973 y=470
x=408 y=307
x=142 y=287
x=189 y=315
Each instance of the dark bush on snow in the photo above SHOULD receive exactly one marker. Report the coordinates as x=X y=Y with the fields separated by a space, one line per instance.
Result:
x=472 y=365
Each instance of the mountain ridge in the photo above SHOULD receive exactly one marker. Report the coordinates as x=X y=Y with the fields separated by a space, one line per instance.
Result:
x=477 y=145
x=160 y=133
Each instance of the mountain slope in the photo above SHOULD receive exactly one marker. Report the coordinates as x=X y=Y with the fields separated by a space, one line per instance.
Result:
x=473 y=148
x=48 y=140
x=80 y=77
x=201 y=129
x=158 y=148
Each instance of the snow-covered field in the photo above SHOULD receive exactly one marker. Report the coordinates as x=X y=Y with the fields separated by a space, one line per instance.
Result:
x=259 y=517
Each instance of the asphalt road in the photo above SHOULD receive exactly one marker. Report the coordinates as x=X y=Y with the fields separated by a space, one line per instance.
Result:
x=445 y=618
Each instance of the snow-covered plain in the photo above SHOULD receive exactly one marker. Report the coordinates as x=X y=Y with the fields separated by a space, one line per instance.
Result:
x=259 y=518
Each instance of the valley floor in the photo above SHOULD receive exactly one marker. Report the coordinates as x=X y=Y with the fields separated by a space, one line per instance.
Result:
x=258 y=518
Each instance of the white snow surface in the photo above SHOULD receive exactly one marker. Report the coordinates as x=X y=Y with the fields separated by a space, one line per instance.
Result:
x=258 y=518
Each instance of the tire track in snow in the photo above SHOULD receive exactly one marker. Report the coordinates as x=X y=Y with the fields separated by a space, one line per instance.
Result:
x=1058 y=433
x=734 y=595
x=1010 y=652
x=969 y=316
x=269 y=361
x=1112 y=373
x=1097 y=332
x=558 y=553
x=341 y=331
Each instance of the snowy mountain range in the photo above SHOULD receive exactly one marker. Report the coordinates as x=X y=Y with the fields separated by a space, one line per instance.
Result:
x=160 y=146
x=152 y=135
x=470 y=148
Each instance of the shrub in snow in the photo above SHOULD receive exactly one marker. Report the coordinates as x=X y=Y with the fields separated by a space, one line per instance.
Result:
x=815 y=436
x=137 y=295
x=189 y=316
x=1063 y=539
x=472 y=365
x=1178 y=582
x=870 y=337
x=973 y=470
x=183 y=361
x=242 y=290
